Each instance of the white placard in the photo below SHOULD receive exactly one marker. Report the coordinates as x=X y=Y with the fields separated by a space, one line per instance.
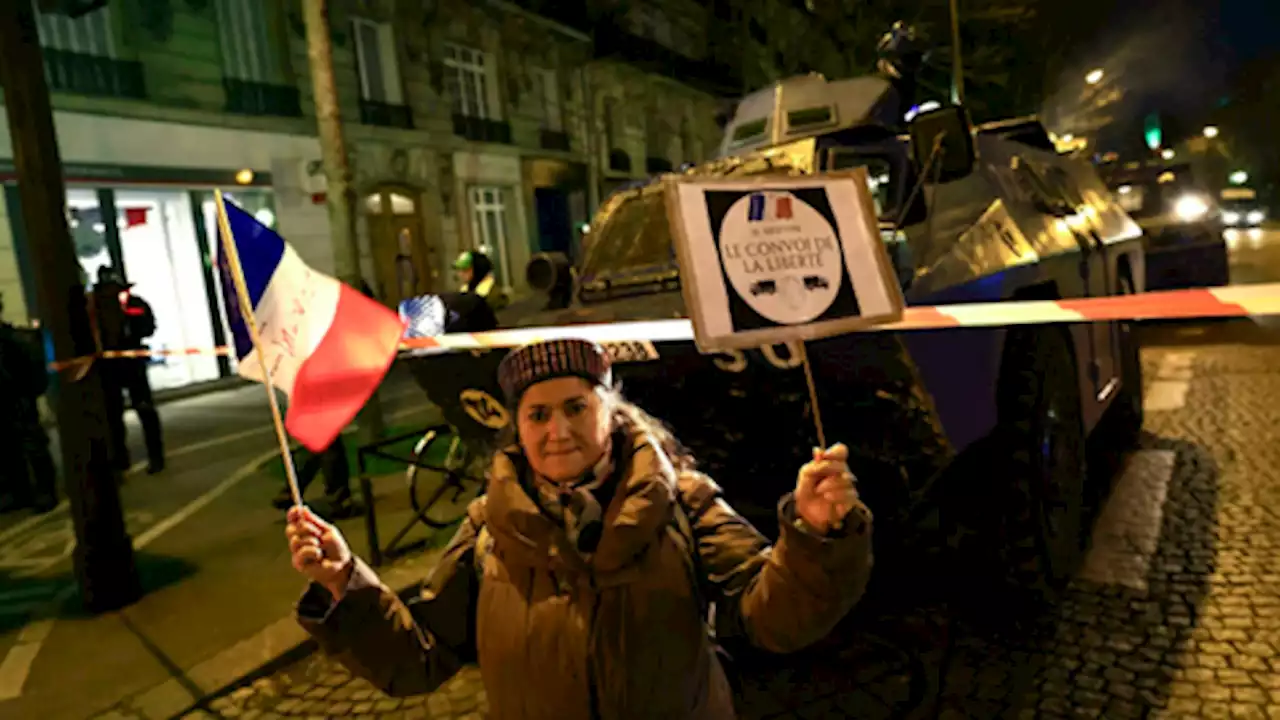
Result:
x=773 y=259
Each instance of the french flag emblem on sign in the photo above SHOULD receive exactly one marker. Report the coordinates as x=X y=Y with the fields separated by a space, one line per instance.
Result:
x=769 y=206
x=326 y=345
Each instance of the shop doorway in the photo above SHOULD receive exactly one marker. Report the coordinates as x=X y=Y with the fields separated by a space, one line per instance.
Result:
x=405 y=264
x=162 y=258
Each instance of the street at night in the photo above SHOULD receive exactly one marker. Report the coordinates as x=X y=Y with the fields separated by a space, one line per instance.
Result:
x=1177 y=608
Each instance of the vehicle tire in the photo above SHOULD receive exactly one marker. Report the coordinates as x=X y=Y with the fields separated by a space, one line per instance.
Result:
x=1042 y=437
x=1126 y=410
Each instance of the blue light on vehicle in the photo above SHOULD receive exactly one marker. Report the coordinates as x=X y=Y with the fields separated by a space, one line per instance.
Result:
x=424 y=316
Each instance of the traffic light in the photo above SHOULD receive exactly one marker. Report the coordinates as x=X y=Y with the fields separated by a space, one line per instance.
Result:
x=1152 y=132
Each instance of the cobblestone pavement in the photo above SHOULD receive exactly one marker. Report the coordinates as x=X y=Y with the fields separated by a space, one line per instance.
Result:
x=1185 y=625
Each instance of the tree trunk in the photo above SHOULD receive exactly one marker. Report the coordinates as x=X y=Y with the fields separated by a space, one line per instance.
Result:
x=340 y=193
x=103 y=559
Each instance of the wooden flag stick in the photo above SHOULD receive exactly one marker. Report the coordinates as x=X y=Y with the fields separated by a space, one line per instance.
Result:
x=246 y=311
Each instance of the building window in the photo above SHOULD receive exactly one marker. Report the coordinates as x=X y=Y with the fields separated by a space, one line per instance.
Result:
x=547 y=95
x=247 y=52
x=489 y=227
x=88 y=34
x=80 y=56
x=467 y=80
x=376 y=62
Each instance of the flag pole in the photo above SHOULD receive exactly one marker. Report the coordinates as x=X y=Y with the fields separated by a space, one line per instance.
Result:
x=246 y=311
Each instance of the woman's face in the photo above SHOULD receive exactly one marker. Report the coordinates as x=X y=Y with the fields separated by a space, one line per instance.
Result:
x=564 y=427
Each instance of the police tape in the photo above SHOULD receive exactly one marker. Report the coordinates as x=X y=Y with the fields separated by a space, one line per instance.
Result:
x=1201 y=303
x=1224 y=302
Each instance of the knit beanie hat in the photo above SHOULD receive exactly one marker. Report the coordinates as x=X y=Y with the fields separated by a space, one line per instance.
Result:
x=536 y=362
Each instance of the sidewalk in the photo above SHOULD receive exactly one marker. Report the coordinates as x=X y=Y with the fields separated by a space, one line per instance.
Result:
x=218 y=604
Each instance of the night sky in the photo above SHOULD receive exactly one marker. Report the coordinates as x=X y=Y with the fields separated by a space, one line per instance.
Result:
x=1167 y=55
x=1250 y=27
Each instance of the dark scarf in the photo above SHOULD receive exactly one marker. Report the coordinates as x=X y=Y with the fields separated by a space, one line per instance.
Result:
x=578 y=507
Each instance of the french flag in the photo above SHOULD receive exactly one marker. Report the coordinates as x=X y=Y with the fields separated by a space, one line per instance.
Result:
x=327 y=346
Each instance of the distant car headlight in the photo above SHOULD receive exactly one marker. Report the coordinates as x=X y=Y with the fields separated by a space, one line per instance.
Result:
x=1256 y=217
x=1191 y=208
x=1231 y=218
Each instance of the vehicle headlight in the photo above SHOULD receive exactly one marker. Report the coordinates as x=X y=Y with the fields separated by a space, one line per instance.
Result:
x=1231 y=218
x=1190 y=208
x=1256 y=217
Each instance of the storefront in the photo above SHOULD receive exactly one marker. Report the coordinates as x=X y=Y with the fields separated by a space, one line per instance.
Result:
x=164 y=240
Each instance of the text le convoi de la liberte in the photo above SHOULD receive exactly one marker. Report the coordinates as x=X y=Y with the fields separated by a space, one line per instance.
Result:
x=767 y=253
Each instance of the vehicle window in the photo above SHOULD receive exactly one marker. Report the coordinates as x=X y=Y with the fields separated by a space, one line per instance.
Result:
x=882 y=178
x=747 y=132
x=798 y=120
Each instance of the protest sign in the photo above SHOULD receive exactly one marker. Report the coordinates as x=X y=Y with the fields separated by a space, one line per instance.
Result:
x=775 y=259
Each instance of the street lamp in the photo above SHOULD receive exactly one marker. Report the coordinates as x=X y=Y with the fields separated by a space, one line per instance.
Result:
x=1239 y=177
x=1211 y=132
x=1094 y=77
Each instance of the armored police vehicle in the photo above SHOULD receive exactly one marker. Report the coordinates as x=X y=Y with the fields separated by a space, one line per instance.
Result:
x=989 y=423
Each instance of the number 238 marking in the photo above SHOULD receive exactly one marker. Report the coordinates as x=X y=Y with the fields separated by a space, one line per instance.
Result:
x=735 y=361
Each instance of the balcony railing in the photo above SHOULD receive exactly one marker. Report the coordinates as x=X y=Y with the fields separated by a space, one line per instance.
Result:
x=482 y=129
x=657 y=165
x=619 y=161
x=246 y=97
x=571 y=13
x=81 y=74
x=619 y=42
x=555 y=140
x=383 y=114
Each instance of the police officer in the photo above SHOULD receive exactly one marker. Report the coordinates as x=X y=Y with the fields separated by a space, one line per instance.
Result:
x=27 y=475
x=475 y=273
x=124 y=321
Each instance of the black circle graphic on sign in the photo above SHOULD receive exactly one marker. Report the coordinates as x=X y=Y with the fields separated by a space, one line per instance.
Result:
x=780 y=257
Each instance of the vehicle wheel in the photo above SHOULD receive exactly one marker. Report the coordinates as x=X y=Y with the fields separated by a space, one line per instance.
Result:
x=1126 y=409
x=445 y=492
x=1042 y=434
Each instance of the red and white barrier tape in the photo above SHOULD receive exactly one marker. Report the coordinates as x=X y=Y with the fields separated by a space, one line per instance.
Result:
x=1243 y=301
x=1223 y=302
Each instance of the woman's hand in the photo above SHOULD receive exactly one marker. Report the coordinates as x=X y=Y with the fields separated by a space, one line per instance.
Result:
x=824 y=489
x=319 y=551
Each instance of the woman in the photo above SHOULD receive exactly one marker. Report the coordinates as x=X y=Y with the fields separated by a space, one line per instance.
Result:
x=574 y=581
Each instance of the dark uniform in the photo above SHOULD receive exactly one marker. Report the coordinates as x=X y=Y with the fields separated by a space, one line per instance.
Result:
x=124 y=321
x=28 y=478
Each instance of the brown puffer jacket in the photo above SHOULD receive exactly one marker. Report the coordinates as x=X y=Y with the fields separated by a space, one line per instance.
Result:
x=617 y=634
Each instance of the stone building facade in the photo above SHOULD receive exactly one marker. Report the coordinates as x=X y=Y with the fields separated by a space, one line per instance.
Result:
x=470 y=124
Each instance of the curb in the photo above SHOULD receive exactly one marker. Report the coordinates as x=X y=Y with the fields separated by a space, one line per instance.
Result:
x=273 y=648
